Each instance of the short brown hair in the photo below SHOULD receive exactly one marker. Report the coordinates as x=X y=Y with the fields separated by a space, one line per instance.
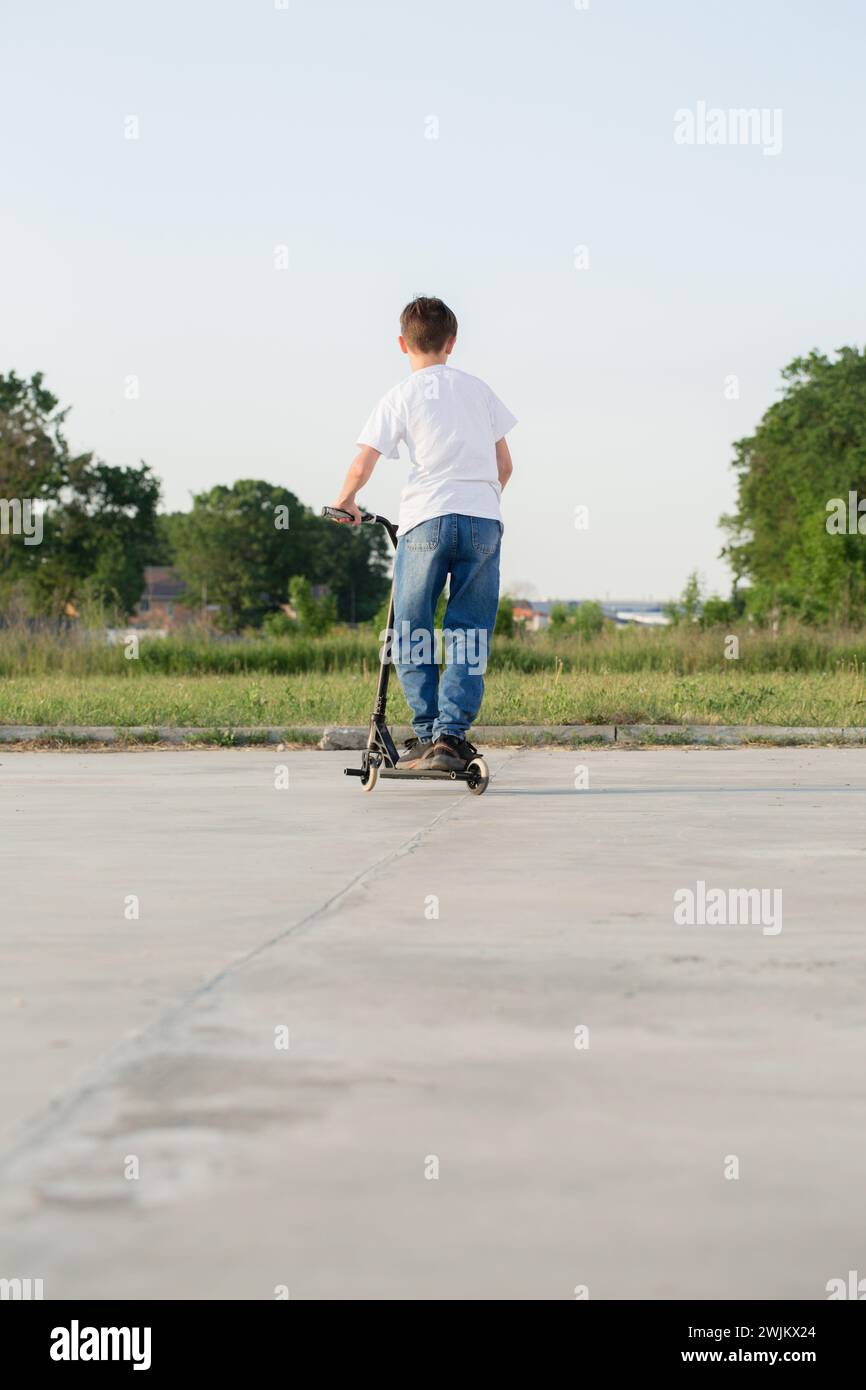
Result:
x=427 y=324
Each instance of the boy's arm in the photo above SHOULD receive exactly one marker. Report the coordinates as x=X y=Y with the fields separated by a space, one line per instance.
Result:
x=360 y=472
x=504 y=466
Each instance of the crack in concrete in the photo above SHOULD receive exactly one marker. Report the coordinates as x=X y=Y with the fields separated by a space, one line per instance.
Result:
x=35 y=1129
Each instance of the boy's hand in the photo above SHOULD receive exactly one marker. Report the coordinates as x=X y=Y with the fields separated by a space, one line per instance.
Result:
x=348 y=507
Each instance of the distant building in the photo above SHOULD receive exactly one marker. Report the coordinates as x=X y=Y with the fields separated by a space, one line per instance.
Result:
x=636 y=613
x=534 y=614
x=528 y=614
x=162 y=603
x=631 y=616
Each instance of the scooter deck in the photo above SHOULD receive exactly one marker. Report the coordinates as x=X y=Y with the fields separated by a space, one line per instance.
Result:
x=410 y=773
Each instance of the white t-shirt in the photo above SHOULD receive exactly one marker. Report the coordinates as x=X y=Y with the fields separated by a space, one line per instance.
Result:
x=450 y=423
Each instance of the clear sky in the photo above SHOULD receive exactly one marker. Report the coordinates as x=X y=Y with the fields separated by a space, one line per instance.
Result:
x=308 y=127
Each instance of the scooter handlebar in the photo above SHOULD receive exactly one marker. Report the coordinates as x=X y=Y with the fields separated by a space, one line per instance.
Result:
x=337 y=514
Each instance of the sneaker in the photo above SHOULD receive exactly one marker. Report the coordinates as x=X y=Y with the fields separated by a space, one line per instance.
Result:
x=417 y=749
x=451 y=754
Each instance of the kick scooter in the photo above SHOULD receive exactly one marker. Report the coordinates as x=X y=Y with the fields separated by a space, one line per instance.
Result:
x=380 y=758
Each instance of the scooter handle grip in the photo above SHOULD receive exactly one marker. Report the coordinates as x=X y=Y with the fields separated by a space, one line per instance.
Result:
x=337 y=514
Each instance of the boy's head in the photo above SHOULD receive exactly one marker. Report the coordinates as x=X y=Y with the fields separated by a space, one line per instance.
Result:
x=428 y=328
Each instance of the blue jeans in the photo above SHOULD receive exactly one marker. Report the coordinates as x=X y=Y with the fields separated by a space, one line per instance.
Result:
x=467 y=549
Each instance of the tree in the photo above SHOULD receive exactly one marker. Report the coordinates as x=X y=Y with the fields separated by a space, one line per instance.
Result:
x=688 y=608
x=559 y=620
x=808 y=449
x=98 y=537
x=354 y=562
x=98 y=522
x=718 y=611
x=585 y=619
x=239 y=546
x=589 y=619
x=33 y=451
x=315 y=615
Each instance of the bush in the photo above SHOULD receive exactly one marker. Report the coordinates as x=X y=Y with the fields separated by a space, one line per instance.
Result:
x=278 y=625
x=504 y=618
x=315 y=615
x=585 y=619
x=560 y=618
x=717 y=612
x=589 y=619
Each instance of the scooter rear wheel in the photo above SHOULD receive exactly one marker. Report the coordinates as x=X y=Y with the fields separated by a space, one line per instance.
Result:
x=479 y=781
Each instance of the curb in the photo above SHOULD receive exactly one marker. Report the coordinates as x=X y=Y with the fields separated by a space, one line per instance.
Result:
x=335 y=738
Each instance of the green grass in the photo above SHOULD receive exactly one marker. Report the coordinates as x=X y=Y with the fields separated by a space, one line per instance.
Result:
x=683 y=651
x=223 y=703
x=801 y=676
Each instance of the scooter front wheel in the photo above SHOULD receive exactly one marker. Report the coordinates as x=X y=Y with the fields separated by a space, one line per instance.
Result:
x=370 y=778
x=479 y=778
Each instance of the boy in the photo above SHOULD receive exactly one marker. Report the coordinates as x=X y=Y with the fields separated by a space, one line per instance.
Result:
x=449 y=525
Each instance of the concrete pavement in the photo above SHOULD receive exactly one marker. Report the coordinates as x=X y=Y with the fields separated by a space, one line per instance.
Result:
x=510 y=1072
